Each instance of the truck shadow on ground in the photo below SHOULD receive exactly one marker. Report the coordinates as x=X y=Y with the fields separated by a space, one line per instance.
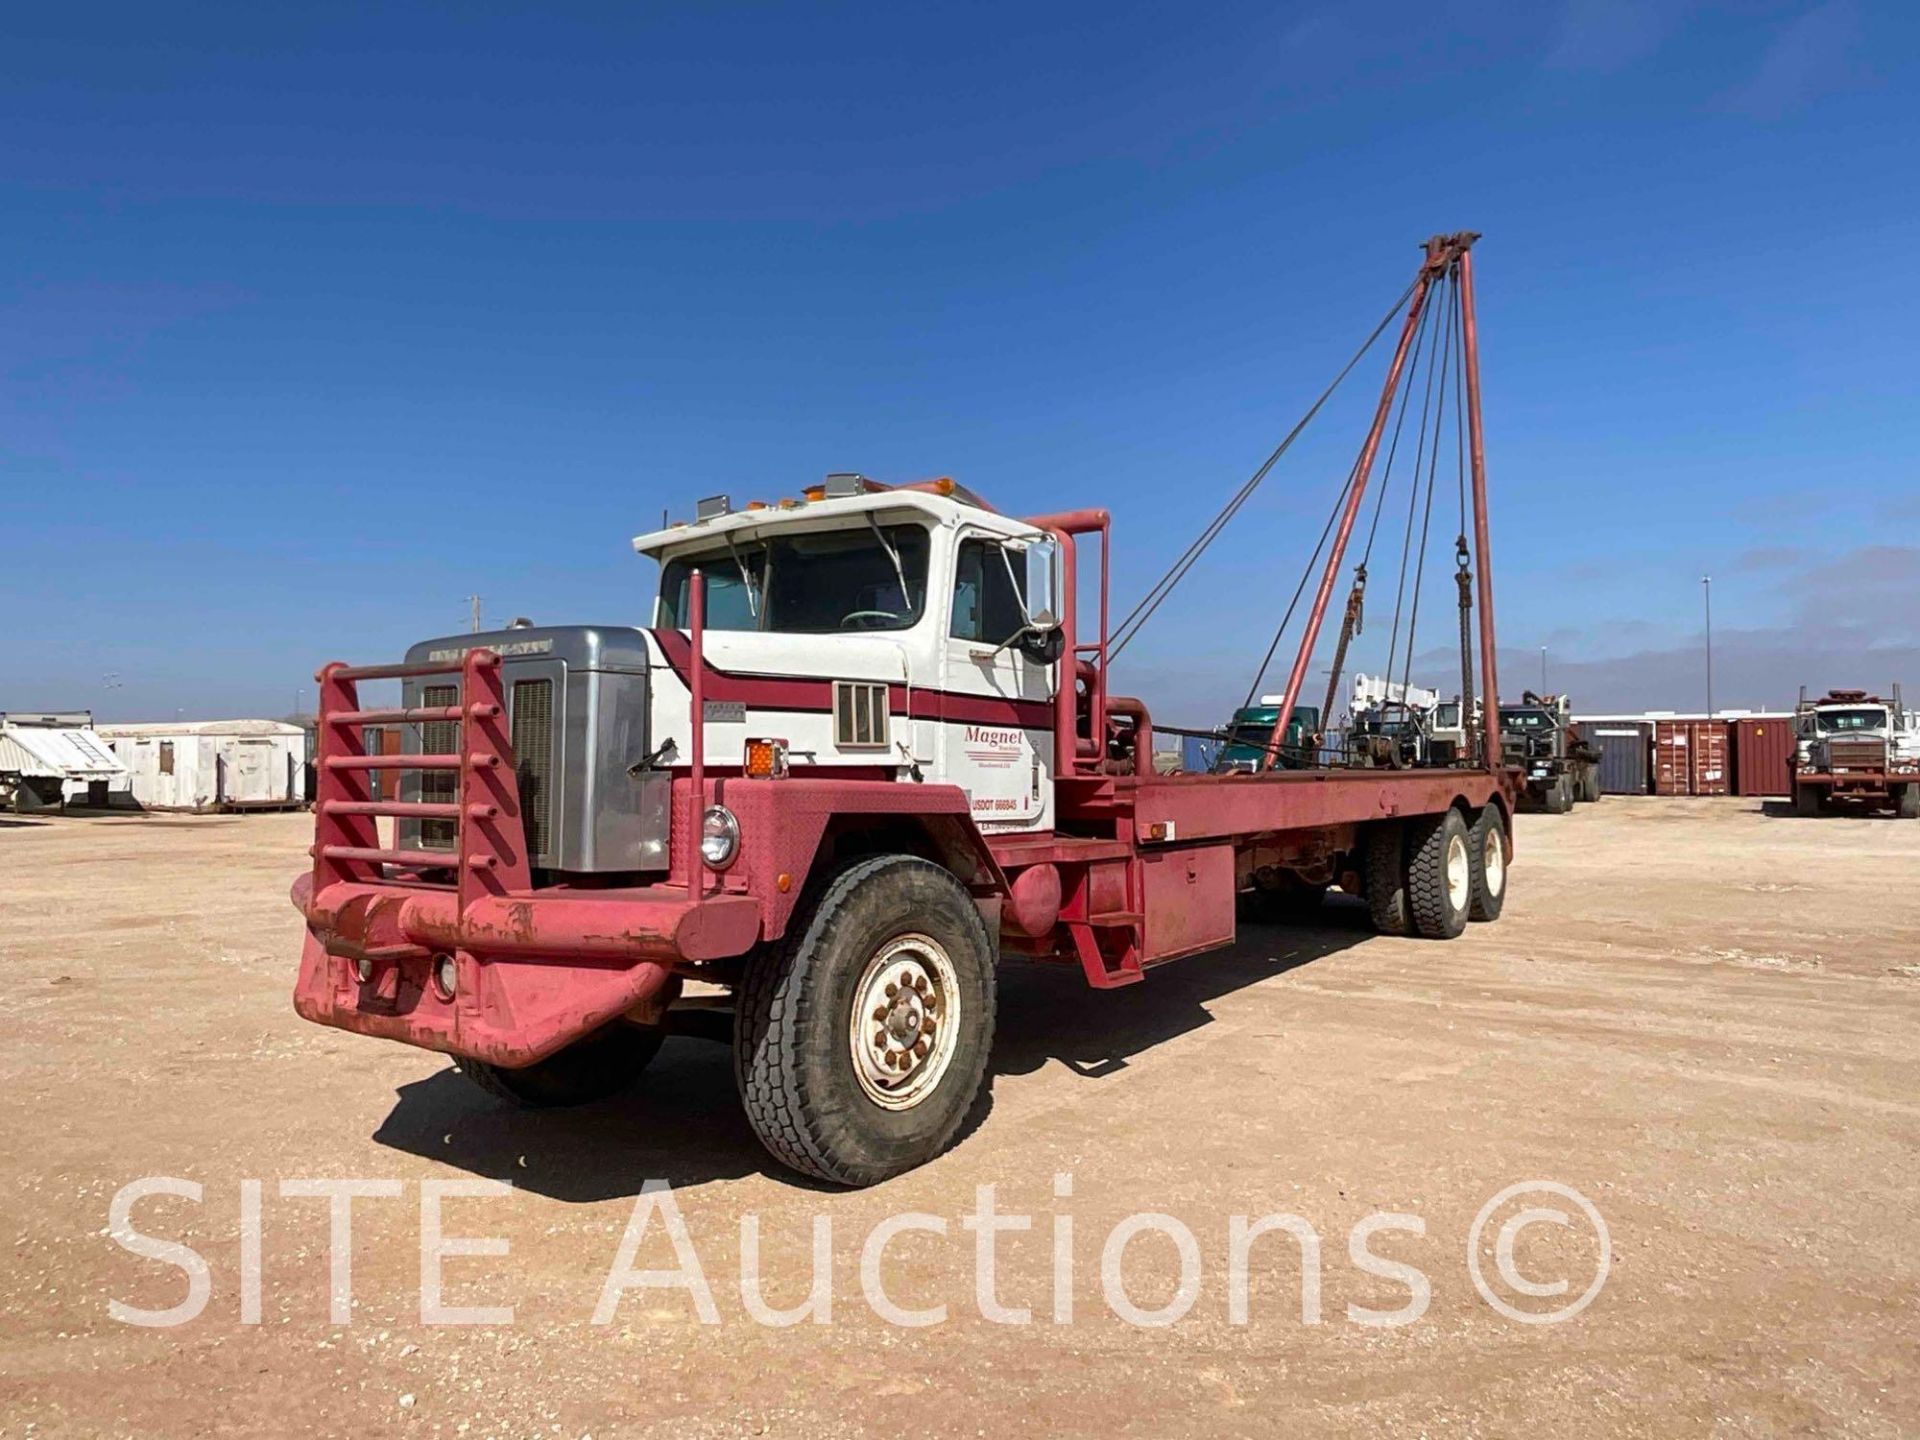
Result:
x=1783 y=810
x=683 y=1122
x=1047 y=1012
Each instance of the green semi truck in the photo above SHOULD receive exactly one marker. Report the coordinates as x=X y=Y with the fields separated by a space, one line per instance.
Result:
x=1250 y=732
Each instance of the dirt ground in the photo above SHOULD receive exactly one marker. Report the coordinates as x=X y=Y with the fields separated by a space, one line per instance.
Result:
x=1699 y=1015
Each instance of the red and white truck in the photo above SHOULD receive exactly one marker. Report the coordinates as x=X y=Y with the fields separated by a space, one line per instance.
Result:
x=867 y=747
x=1858 y=749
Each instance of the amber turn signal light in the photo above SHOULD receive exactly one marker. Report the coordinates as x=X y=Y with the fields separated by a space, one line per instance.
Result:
x=766 y=759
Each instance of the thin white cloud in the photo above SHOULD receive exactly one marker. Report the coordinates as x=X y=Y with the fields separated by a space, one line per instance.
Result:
x=1810 y=56
x=1602 y=36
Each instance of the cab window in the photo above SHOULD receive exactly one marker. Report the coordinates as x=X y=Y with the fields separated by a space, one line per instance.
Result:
x=986 y=601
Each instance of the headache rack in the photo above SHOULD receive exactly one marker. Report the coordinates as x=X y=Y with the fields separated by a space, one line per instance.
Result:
x=477 y=806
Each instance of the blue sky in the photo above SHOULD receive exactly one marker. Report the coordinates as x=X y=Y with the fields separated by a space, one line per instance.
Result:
x=314 y=322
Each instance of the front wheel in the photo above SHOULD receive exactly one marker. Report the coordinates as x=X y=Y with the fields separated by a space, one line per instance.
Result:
x=1558 y=799
x=1906 y=802
x=603 y=1064
x=1807 y=802
x=861 y=1039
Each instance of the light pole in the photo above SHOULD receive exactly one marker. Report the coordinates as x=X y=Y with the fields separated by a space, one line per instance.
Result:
x=1706 y=594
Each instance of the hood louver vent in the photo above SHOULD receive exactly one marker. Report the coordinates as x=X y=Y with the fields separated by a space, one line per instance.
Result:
x=860 y=715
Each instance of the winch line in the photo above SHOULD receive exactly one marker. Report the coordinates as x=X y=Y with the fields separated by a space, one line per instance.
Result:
x=1339 y=501
x=1142 y=612
x=1413 y=494
x=1433 y=472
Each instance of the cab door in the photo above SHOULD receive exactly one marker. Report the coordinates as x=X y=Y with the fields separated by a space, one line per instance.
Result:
x=996 y=730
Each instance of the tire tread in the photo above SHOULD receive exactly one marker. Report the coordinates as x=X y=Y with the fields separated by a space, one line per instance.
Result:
x=773 y=1007
x=1427 y=877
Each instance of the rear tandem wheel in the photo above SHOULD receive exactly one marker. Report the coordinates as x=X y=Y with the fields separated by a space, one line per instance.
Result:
x=1439 y=875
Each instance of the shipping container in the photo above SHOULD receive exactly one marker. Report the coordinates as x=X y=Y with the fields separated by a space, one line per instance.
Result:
x=1623 y=757
x=1672 y=757
x=1712 y=763
x=1761 y=750
x=1197 y=754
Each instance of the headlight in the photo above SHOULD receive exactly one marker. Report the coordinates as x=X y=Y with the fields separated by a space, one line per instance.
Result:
x=719 y=837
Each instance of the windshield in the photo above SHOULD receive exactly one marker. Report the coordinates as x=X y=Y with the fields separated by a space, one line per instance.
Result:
x=1256 y=729
x=1831 y=721
x=1446 y=715
x=1525 y=720
x=813 y=583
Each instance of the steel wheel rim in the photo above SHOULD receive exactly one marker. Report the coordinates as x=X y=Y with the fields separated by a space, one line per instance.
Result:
x=1459 y=873
x=1493 y=863
x=904 y=1026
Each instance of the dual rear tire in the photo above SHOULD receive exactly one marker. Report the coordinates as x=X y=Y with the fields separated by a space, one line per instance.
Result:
x=1432 y=875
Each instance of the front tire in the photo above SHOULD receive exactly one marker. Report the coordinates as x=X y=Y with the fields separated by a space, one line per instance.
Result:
x=1487 y=850
x=1440 y=875
x=603 y=1064
x=1558 y=799
x=1906 y=802
x=862 y=1038
x=1807 y=802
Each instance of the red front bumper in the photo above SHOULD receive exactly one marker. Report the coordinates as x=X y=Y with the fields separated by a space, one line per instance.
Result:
x=531 y=974
x=1877 y=782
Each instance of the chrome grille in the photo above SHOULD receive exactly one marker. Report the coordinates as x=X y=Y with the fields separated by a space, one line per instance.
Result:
x=533 y=759
x=860 y=714
x=1857 y=754
x=439 y=787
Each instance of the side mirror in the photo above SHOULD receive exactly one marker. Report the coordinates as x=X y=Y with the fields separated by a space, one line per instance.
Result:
x=1036 y=585
x=1043 y=647
x=1042 y=595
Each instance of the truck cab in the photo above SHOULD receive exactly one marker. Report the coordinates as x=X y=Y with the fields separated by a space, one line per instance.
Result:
x=1250 y=734
x=899 y=633
x=1557 y=765
x=1856 y=748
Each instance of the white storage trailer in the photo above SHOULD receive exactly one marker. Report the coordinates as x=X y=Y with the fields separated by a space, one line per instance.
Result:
x=201 y=765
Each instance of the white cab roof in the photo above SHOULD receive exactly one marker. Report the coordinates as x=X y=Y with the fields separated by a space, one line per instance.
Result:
x=824 y=514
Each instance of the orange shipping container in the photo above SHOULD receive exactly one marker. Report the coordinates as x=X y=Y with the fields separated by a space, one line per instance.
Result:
x=1672 y=757
x=1712 y=768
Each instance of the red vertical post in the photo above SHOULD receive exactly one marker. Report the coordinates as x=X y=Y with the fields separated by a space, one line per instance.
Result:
x=333 y=741
x=1066 y=752
x=1297 y=676
x=697 y=740
x=1483 y=551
